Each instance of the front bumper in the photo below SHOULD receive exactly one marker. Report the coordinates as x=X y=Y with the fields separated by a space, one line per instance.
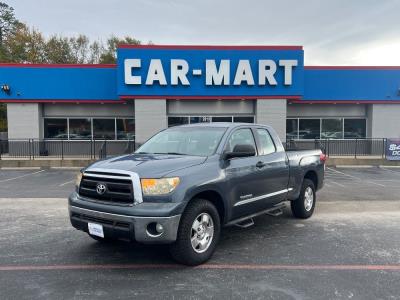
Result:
x=132 y=228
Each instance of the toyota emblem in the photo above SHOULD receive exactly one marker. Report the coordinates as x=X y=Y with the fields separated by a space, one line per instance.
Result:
x=101 y=188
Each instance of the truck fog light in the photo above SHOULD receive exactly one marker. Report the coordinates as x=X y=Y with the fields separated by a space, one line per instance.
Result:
x=154 y=229
x=159 y=228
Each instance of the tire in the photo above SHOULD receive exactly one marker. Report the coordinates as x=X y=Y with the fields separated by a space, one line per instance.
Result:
x=182 y=250
x=301 y=207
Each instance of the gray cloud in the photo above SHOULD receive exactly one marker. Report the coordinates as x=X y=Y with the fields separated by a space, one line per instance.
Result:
x=332 y=32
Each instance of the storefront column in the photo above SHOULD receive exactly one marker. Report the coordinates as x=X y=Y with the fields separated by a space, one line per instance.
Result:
x=24 y=120
x=150 y=117
x=383 y=121
x=272 y=112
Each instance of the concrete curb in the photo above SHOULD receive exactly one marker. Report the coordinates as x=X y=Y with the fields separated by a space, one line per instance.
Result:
x=42 y=163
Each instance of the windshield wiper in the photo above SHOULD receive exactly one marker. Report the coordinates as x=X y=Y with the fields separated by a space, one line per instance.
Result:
x=171 y=153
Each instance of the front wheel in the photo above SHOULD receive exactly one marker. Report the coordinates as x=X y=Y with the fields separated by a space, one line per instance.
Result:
x=198 y=233
x=303 y=207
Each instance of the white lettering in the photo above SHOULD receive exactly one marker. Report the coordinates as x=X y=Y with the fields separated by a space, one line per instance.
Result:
x=243 y=73
x=266 y=73
x=217 y=77
x=156 y=73
x=288 y=65
x=179 y=69
x=129 y=64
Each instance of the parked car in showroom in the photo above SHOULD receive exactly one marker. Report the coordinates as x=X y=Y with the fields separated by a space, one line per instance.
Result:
x=186 y=182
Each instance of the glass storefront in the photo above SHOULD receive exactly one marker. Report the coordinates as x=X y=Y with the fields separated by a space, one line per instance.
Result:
x=80 y=129
x=88 y=128
x=181 y=120
x=332 y=128
x=125 y=129
x=55 y=128
x=325 y=128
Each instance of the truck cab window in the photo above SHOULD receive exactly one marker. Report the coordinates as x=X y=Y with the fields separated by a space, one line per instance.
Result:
x=240 y=137
x=267 y=145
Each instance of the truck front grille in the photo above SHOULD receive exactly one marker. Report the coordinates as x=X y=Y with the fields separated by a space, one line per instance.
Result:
x=118 y=188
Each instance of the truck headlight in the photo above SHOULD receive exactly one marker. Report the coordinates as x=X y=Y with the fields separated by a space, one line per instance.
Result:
x=152 y=186
x=78 y=180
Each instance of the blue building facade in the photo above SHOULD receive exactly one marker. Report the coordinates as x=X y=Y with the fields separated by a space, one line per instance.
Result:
x=153 y=87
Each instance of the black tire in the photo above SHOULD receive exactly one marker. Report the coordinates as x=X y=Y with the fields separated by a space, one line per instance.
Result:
x=298 y=206
x=182 y=250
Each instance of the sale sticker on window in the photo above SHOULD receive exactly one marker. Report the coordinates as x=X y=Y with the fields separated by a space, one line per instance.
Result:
x=393 y=149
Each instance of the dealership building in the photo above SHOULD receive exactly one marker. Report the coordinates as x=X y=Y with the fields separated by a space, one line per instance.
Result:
x=152 y=87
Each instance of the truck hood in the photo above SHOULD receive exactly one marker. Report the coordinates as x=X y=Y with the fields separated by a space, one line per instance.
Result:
x=149 y=165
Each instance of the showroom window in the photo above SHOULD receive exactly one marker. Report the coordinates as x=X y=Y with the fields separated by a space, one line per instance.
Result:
x=174 y=121
x=181 y=120
x=332 y=129
x=80 y=129
x=88 y=128
x=355 y=128
x=292 y=126
x=326 y=128
x=309 y=128
x=125 y=129
x=55 y=128
x=104 y=129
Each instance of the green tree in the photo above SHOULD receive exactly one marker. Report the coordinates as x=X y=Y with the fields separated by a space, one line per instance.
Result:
x=3 y=117
x=109 y=56
x=8 y=25
x=7 y=21
x=27 y=46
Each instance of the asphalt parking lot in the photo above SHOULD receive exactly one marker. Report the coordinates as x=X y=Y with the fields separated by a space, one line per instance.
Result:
x=350 y=248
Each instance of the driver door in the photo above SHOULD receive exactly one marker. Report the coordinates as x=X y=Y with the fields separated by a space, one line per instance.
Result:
x=241 y=175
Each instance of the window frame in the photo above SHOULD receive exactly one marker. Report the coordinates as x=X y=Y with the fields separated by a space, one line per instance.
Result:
x=320 y=126
x=91 y=127
x=55 y=118
x=230 y=135
x=258 y=142
x=189 y=116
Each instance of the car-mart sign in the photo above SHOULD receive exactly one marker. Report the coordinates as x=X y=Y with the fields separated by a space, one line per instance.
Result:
x=207 y=72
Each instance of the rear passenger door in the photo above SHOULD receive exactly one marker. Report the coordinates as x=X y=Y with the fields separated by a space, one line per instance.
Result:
x=272 y=168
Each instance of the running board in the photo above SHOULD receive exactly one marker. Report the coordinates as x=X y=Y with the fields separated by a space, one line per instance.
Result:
x=275 y=213
x=247 y=221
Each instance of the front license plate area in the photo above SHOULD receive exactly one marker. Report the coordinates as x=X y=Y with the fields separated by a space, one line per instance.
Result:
x=96 y=229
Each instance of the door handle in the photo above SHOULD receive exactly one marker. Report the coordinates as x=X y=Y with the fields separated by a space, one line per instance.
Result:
x=260 y=165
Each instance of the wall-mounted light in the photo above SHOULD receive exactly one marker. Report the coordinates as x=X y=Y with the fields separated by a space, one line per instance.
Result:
x=6 y=89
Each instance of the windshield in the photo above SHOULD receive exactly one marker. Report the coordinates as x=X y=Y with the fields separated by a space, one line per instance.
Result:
x=184 y=141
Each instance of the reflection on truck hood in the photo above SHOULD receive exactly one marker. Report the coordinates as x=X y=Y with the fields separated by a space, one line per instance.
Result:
x=149 y=165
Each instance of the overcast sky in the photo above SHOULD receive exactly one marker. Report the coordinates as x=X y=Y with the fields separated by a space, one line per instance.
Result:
x=345 y=32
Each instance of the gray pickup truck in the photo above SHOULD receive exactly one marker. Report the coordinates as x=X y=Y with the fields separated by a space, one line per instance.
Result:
x=186 y=182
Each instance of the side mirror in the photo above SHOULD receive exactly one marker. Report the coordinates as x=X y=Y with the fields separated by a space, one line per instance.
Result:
x=241 y=150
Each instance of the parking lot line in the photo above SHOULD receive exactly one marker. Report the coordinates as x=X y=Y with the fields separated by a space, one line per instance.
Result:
x=334 y=182
x=336 y=267
x=354 y=177
x=65 y=183
x=25 y=175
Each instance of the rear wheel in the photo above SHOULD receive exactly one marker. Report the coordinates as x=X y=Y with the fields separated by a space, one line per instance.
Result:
x=198 y=233
x=303 y=207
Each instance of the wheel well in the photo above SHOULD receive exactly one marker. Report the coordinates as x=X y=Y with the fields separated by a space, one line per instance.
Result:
x=216 y=199
x=312 y=175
